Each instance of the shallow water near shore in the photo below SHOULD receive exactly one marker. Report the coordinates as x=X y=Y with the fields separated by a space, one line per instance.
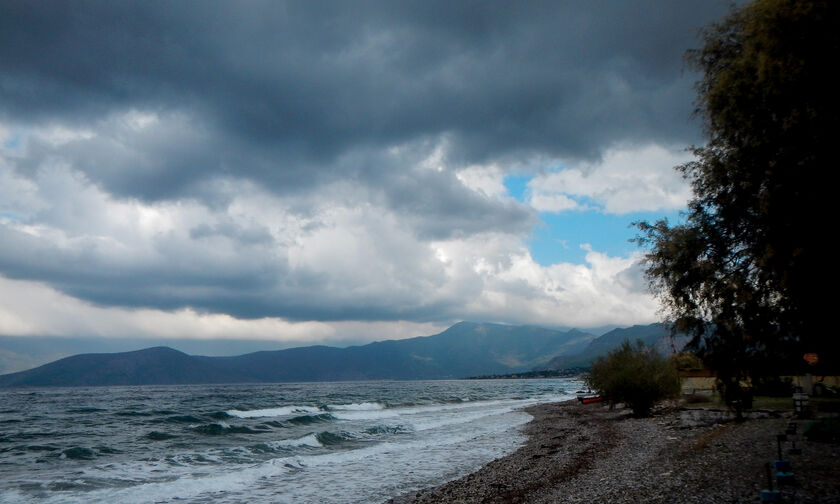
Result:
x=307 y=442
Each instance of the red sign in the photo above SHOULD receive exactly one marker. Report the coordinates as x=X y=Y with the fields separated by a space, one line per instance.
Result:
x=810 y=358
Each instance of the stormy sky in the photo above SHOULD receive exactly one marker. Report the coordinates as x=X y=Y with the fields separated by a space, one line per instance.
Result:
x=317 y=171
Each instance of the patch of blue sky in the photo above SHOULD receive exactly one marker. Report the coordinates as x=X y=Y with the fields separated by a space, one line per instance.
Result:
x=517 y=186
x=13 y=142
x=560 y=236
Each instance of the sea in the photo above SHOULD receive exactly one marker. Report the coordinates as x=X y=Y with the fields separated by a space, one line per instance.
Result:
x=347 y=442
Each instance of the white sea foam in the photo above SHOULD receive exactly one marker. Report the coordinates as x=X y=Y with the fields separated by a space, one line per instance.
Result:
x=438 y=409
x=419 y=446
x=308 y=440
x=357 y=475
x=367 y=414
x=436 y=421
x=274 y=412
x=365 y=406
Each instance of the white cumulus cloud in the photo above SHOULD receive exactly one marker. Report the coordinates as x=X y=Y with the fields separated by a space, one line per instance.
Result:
x=625 y=180
x=349 y=260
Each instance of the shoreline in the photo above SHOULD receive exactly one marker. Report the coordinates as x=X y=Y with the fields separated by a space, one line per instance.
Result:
x=586 y=453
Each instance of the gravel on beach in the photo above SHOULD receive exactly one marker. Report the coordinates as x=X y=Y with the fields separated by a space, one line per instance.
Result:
x=587 y=453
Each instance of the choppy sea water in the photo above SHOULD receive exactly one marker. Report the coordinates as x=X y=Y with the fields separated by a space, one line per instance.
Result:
x=350 y=442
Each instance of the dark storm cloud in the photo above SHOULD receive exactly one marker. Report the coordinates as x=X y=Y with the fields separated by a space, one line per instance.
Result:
x=302 y=100
x=89 y=273
x=437 y=207
x=303 y=82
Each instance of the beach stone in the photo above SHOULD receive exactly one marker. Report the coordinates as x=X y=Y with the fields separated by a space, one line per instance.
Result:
x=587 y=453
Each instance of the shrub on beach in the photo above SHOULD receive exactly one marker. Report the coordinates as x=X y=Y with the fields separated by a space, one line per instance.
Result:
x=635 y=375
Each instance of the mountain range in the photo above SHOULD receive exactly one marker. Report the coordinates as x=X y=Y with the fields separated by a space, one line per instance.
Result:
x=657 y=335
x=465 y=349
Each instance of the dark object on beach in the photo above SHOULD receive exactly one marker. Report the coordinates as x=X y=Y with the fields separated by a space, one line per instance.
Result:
x=590 y=399
x=785 y=478
x=770 y=495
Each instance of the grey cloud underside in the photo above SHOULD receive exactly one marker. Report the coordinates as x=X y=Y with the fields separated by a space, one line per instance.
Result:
x=299 y=98
x=251 y=287
x=304 y=82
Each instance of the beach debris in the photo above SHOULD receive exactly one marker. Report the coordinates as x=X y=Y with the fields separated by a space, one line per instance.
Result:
x=784 y=478
x=770 y=495
x=781 y=465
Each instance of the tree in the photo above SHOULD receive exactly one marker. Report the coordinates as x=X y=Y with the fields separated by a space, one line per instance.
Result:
x=635 y=375
x=685 y=360
x=743 y=273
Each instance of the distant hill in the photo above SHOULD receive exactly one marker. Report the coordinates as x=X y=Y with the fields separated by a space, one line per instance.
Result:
x=152 y=366
x=465 y=349
x=656 y=335
x=19 y=353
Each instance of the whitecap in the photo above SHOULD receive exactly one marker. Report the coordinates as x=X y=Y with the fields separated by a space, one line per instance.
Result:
x=273 y=412
x=365 y=406
x=308 y=440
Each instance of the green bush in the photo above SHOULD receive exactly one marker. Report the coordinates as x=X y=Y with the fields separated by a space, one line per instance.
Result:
x=635 y=375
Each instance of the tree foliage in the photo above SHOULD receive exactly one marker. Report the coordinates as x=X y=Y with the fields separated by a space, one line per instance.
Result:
x=635 y=375
x=685 y=360
x=743 y=273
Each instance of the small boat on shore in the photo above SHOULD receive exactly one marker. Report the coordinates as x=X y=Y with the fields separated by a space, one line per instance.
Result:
x=590 y=399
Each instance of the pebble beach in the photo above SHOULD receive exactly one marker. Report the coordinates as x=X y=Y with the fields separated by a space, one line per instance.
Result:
x=589 y=453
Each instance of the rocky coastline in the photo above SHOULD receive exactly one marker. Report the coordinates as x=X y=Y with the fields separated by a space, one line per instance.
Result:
x=588 y=453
